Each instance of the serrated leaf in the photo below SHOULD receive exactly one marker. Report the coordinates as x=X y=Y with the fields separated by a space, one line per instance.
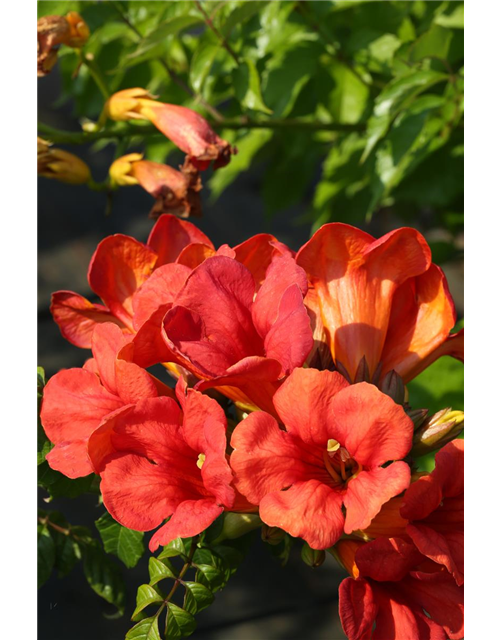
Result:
x=203 y=59
x=180 y=623
x=46 y=550
x=210 y=576
x=59 y=485
x=175 y=548
x=247 y=87
x=231 y=559
x=68 y=553
x=197 y=597
x=125 y=543
x=146 y=596
x=104 y=576
x=146 y=629
x=392 y=99
x=160 y=570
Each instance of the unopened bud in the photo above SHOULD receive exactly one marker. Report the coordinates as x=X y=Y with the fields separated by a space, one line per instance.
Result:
x=237 y=524
x=417 y=417
x=120 y=171
x=272 y=535
x=61 y=165
x=312 y=557
x=436 y=431
x=362 y=372
x=393 y=386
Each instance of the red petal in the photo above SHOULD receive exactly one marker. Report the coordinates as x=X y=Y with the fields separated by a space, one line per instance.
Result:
x=107 y=341
x=387 y=559
x=74 y=403
x=160 y=289
x=266 y=458
x=310 y=418
x=355 y=278
x=118 y=268
x=70 y=458
x=422 y=317
x=357 y=608
x=149 y=346
x=170 y=236
x=281 y=274
x=194 y=254
x=309 y=510
x=290 y=340
x=257 y=252
x=77 y=317
x=370 y=425
x=444 y=548
x=189 y=518
x=395 y=619
x=368 y=491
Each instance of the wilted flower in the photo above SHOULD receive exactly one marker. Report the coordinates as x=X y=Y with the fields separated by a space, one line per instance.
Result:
x=187 y=129
x=53 y=31
x=176 y=192
x=61 y=165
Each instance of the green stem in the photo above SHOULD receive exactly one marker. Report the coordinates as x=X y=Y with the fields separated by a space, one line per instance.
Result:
x=96 y=73
x=210 y=24
x=120 y=131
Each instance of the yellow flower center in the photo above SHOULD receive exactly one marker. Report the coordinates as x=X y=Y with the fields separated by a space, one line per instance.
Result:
x=200 y=461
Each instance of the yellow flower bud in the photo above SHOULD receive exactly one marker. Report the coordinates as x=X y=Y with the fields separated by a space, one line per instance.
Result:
x=120 y=171
x=61 y=165
x=436 y=431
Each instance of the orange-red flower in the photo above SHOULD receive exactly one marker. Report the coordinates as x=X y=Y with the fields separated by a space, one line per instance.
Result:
x=156 y=460
x=228 y=334
x=187 y=129
x=176 y=192
x=75 y=401
x=331 y=454
x=394 y=588
x=53 y=31
x=381 y=300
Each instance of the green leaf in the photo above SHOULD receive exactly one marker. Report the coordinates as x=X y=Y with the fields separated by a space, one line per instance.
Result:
x=453 y=20
x=347 y=101
x=175 y=548
x=440 y=385
x=434 y=43
x=240 y=15
x=180 y=623
x=248 y=147
x=247 y=87
x=104 y=576
x=201 y=64
x=146 y=596
x=159 y=570
x=197 y=597
x=59 y=485
x=394 y=97
x=210 y=576
x=154 y=43
x=43 y=443
x=125 y=543
x=46 y=554
x=146 y=629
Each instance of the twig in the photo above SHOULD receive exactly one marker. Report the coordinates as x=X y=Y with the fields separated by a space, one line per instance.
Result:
x=219 y=35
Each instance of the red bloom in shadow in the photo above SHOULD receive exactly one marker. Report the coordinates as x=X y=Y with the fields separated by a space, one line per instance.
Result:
x=434 y=507
x=337 y=438
x=395 y=588
x=76 y=401
x=156 y=462
x=378 y=299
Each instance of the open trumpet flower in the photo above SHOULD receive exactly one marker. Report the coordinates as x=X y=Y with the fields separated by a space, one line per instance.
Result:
x=380 y=302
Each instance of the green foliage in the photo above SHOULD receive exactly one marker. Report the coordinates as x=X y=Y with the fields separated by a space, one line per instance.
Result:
x=210 y=565
x=43 y=443
x=128 y=545
x=359 y=102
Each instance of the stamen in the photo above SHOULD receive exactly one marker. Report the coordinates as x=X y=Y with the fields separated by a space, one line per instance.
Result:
x=330 y=469
x=332 y=445
x=200 y=461
x=342 y=470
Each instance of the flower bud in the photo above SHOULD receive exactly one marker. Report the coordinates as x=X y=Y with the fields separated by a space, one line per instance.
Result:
x=312 y=557
x=393 y=386
x=436 y=431
x=78 y=30
x=237 y=524
x=176 y=192
x=272 y=535
x=417 y=416
x=61 y=165
x=187 y=129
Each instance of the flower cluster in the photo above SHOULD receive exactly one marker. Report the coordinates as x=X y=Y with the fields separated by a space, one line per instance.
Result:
x=313 y=349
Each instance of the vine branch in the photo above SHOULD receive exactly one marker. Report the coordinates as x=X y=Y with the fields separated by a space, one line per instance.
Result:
x=121 y=130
